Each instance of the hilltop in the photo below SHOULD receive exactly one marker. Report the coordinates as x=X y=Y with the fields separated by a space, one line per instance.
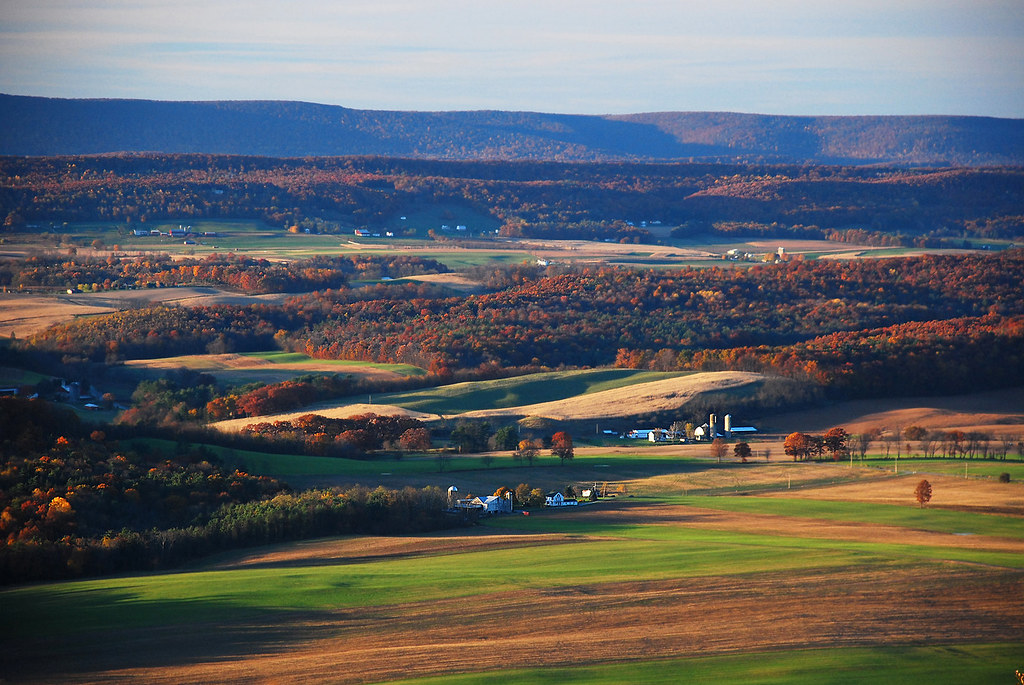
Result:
x=40 y=126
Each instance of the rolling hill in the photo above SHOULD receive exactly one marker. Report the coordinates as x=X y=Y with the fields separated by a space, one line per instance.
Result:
x=40 y=126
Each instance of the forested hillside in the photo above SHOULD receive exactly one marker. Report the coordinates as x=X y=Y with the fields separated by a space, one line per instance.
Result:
x=942 y=322
x=48 y=126
x=597 y=201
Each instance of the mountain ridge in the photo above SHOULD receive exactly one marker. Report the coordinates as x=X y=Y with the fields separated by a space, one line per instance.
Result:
x=39 y=126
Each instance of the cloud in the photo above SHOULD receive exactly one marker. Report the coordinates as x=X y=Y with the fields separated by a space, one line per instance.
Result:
x=595 y=56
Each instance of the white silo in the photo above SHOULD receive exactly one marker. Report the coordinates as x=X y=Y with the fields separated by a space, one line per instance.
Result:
x=728 y=425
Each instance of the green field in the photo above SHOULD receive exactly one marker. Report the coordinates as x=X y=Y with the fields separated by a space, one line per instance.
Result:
x=519 y=390
x=844 y=666
x=277 y=357
x=975 y=468
x=593 y=556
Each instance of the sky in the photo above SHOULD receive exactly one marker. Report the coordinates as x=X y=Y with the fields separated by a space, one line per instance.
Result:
x=566 y=56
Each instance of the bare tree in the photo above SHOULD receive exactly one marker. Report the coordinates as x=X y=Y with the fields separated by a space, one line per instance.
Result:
x=1005 y=444
x=718 y=449
x=861 y=442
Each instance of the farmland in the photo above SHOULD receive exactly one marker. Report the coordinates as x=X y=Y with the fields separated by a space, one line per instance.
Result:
x=262 y=494
x=734 y=588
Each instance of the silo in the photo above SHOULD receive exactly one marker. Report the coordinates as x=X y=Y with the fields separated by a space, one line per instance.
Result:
x=712 y=427
x=728 y=425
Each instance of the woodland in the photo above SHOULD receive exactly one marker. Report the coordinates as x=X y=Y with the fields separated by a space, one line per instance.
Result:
x=925 y=207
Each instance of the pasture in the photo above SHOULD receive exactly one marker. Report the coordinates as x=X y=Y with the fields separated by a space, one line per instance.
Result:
x=790 y=586
x=265 y=367
x=610 y=395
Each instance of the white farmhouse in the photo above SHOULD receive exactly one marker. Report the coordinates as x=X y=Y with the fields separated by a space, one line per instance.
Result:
x=557 y=499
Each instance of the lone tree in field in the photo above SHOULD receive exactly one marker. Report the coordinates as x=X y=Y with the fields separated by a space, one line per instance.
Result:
x=923 y=492
x=561 y=446
x=718 y=449
x=742 y=451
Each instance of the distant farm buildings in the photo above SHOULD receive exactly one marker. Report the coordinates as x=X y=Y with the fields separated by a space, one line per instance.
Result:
x=711 y=429
x=557 y=499
x=705 y=432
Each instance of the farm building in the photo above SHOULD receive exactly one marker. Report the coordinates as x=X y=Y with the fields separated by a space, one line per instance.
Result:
x=557 y=499
x=710 y=430
x=491 y=504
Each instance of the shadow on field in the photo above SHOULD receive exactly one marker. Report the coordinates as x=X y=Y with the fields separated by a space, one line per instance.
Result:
x=51 y=635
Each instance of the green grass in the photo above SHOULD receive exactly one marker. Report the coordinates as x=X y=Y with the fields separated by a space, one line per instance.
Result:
x=12 y=377
x=278 y=357
x=287 y=465
x=911 y=516
x=518 y=391
x=934 y=665
x=983 y=468
x=182 y=598
x=577 y=524
x=600 y=553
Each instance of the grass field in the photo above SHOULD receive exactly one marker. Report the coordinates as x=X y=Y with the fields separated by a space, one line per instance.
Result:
x=975 y=468
x=519 y=390
x=845 y=666
x=788 y=588
x=263 y=367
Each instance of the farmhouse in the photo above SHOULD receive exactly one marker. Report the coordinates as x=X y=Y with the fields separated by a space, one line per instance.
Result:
x=491 y=504
x=557 y=499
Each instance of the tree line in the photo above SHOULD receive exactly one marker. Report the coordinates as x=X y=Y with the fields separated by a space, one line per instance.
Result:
x=595 y=200
x=243 y=273
x=75 y=502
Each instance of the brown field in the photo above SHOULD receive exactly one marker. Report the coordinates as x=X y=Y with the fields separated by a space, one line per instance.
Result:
x=997 y=412
x=25 y=314
x=340 y=412
x=237 y=368
x=641 y=398
x=893 y=603
x=455 y=281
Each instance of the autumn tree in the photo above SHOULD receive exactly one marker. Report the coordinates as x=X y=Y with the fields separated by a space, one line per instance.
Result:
x=923 y=492
x=561 y=446
x=914 y=433
x=718 y=449
x=527 y=450
x=742 y=451
x=835 y=442
x=797 y=445
x=415 y=440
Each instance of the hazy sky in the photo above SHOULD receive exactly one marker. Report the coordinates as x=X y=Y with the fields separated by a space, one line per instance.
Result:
x=574 y=56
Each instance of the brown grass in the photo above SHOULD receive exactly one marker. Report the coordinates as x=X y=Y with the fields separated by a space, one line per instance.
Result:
x=26 y=314
x=632 y=400
x=237 y=368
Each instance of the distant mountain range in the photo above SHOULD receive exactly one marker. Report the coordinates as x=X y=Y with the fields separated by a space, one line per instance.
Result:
x=50 y=126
